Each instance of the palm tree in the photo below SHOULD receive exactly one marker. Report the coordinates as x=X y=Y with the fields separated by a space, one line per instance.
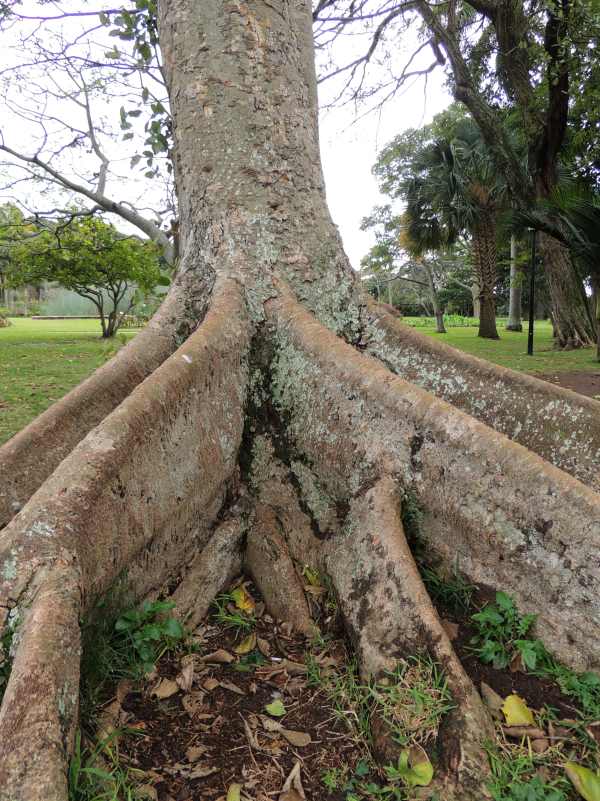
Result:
x=455 y=189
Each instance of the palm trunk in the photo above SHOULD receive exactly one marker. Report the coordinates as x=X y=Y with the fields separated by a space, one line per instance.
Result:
x=484 y=258
x=516 y=290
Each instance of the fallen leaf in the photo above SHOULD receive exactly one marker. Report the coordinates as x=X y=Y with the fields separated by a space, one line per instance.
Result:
x=293 y=668
x=421 y=769
x=450 y=628
x=234 y=792
x=269 y=724
x=516 y=663
x=164 y=689
x=242 y=599
x=185 y=679
x=220 y=656
x=517 y=732
x=276 y=708
x=110 y=719
x=491 y=698
x=539 y=746
x=247 y=644
x=211 y=684
x=516 y=712
x=300 y=739
x=194 y=753
x=293 y=784
x=264 y=646
x=124 y=687
x=146 y=791
x=585 y=781
x=229 y=685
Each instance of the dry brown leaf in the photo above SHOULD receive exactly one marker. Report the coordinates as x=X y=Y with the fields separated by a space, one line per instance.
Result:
x=193 y=703
x=516 y=663
x=147 y=792
x=299 y=739
x=293 y=783
x=229 y=685
x=164 y=689
x=492 y=700
x=211 y=684
x=269 y=724
x=264 y=646
x=194 y=753
x=293 y=668
x=124 y=687
x=516 y=732
x=541 y=745
x=291 y=795
x=111 y=717
x=220 y=656
x=185 y=679
x=450 y=628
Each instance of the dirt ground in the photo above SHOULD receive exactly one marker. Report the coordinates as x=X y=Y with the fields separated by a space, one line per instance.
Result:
x=586 y=383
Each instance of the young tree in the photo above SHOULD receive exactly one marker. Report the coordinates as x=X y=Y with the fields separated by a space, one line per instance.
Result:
x=91 y=258
x=267 y=432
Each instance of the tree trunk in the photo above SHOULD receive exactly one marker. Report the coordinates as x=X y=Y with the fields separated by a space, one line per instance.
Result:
x=266 y=436
x=516 y=290
x=476 y=302
x=437 y=310
x=571 y=317
x=484 y=258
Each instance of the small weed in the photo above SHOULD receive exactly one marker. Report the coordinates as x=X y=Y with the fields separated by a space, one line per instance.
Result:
x=148 y=634
x=96 y=774
x=514 y=776
x=502 y=635
x=583 y=687
x=5 y=658
x=452 y=592
x=227 y=614
x=412 y=700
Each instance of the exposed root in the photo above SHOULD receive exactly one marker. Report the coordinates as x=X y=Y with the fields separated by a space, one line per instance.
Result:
x=389 y=616
x=209 y=572
x=270 y=565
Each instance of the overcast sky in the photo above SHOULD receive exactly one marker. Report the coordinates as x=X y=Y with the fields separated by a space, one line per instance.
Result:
x=349 y=146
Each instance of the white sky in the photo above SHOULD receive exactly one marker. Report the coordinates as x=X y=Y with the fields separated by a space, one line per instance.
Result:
x=349 y=146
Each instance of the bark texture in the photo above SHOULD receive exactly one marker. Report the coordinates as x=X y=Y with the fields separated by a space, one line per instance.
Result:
x=268 y=438
x=516 y=290
x=570 y=315
x=484 y=259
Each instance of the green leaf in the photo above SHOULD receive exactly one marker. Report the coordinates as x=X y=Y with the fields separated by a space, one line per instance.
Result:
x=173 y=628
x=276 y=708
x=585 y=781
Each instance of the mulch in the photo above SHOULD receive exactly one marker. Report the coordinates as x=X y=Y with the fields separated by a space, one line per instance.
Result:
x=584 y=382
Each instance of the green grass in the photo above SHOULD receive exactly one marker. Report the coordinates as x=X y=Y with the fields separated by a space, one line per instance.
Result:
x=41 y=360
x=511 y=349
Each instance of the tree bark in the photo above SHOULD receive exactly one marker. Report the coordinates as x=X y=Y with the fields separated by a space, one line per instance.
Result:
x=484 y=258
x=516 y=290
x=267 y=437
x=570 y=311
x=437 y=310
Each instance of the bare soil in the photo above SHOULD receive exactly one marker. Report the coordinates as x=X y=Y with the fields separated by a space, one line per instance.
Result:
x=584 y=382
x=221 y=727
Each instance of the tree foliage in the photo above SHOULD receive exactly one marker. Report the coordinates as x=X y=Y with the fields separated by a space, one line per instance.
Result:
x=90 y=257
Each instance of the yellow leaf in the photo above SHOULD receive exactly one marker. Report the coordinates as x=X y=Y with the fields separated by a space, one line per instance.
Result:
x=516 y=712
x=233 y=794
x=585 y=781
x=247 y=644
x=242 y=599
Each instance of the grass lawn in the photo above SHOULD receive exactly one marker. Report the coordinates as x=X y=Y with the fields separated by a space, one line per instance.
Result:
x=511 y=349
x=41 y=360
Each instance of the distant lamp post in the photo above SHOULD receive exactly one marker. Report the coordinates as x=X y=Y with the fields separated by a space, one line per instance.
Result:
x=531 y=294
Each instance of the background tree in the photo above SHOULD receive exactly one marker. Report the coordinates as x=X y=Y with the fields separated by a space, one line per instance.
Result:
x=450 y=186
x=91 y=258
x=522 y=60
